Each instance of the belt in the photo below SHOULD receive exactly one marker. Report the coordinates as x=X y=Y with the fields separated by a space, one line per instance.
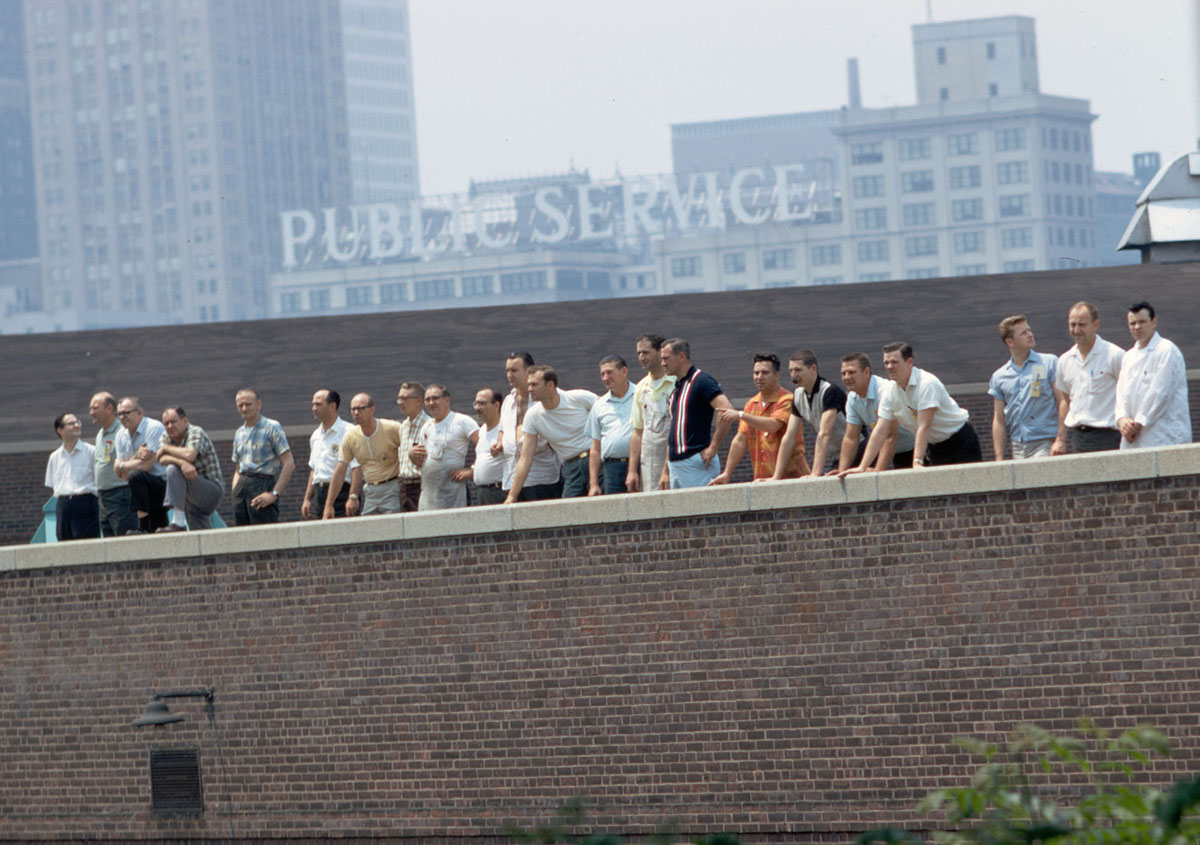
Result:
x=494 y=486
x=78 y=496
x=582 y=457
x=416 y=479
x=616 y=460
x=378 y=483
x=327 y=483
x=1091 y=428
x=256 y=475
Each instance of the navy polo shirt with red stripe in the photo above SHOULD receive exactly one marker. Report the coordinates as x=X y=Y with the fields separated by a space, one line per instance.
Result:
x=692 y=414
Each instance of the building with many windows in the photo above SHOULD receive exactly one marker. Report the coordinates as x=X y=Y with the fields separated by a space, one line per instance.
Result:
x=167 y=137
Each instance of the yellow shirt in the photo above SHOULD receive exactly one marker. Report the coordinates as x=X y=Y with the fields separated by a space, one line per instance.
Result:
x=378 y=455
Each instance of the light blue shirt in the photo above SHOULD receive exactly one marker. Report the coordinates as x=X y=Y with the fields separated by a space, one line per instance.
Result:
x=148 y=432
x=608 y=422
x=1030 y=412
x=865 y=412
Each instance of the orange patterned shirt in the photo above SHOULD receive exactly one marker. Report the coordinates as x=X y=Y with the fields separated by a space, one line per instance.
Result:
x=763 y=446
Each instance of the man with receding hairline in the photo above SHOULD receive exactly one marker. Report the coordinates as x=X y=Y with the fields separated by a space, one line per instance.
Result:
x=324 y=447
x=375 y=445
x=692 y=445
x=195 y=485
x=137 y=444
x=116 y=516
x=262 y=460
x=558 y=417
x=1086 y=387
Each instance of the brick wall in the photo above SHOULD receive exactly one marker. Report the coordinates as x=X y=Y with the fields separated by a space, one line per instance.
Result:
x=793 y=674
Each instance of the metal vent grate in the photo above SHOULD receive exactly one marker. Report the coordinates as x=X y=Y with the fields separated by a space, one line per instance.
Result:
x=175 y=780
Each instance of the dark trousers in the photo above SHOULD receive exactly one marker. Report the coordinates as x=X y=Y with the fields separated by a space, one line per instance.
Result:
x=612 y=475
x=146 y=492
x=575 y=477
x=1086 y=439
x=490 y=494
x=538 y=492
x=77 y=517
x=321 y=492
x=116 y=516
x=961 y=447
x=247 y=488
x=410 y=495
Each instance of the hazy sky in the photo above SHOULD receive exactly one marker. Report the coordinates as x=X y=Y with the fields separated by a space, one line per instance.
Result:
x=525 y=87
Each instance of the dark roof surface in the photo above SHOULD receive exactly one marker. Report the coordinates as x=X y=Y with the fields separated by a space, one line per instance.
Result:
x=950 y=322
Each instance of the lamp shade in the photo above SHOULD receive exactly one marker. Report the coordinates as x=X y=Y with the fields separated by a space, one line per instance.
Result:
x=156 y=713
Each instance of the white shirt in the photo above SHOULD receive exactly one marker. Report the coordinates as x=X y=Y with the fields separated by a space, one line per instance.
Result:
x=1152 y=390
x=564 y=425
x=72 y=473
x=446 y=442
x=925 y=390
x=544 y=469
x=488 y=468
x=1091 y=383
x=324 y=450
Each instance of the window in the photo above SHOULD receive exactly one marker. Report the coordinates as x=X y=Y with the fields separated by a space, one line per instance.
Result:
x=1012 y=173
x=1014 y=206
x=991 y=49
x=922 y=245
x=966 y=177
x=358 y=295
x=869 y=219
x=476 y=285
x=941 y=55
x=993 y=89
x=963 y=143
x=1008 y=140
x=825 y=255
x=735 y=262
x=391 y=292
x=944 y=94
x=916 y=181
x=873 y=251
x=919 y=214
x=922 y=273
x=970 y=270
x=289 y=303
x=1054 y=174
x=682 y=268
x=318 y=299
x=1014 y=238
x=827 y=280
x=961 y=210
x=536 y=279
x=874 y=277
x=1018 y=266
x=433 y=289
x=965 y=242
x=915 y=149
x=868 y=186
x=778 y=259
x=866 y=153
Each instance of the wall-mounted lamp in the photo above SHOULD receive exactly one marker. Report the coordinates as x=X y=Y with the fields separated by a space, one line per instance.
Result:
x=157 y=713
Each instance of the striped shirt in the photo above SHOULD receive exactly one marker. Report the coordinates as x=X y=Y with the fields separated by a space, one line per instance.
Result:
x=692 y=414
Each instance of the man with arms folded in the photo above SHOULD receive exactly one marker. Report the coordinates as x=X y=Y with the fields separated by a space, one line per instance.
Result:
x=820 y=403
x=441 y=452
x=863 y=389
x=488 y=471
x=324 y=449
x=195 y=485
x=411 y=399
x=71 y=474
x=1024 y=406
x=374 y=444
x=137 y=447
x=1086 y=387
x=692 y=459
x=609 y=427
x=544 y=480
x=1152 y=393
x=761 y=425
x=262 y=461
x=917 y=401
x=116 y=516
x=560 y=418
x=649 y=418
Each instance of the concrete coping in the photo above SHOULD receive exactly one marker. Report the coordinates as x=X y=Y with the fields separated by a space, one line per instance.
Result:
x=993 y=477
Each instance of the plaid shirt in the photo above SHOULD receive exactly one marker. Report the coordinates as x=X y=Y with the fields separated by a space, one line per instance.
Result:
x=410 y=431
x=206 y=463
x=258 y=449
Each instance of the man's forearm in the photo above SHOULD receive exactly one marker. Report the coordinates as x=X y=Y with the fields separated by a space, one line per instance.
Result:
x=285 y=472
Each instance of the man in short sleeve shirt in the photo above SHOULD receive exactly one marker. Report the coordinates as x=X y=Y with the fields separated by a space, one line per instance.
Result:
x=324 y=449
x=116 y=516
x=137 y=445
x=559 y=417
x=195 y=485
x=375 y=444
x=1024 y=407
x=863 y=389
x=262 y=460
x=649 y=418
x=441 y=452
x=610 y=429
x=761 y=424
x=692 y=445
x=1086 y=387
x=820 y=403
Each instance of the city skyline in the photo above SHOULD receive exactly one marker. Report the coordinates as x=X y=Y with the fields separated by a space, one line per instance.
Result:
x=565 y=88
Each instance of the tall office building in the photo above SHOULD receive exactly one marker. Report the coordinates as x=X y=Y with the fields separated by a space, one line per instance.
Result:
x=18 y=207
x=379 y=99
x=167 y=138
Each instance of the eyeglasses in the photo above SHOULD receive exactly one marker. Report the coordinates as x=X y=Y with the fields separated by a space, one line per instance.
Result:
x=127 y=413
x=359 y=408
x=435 y=398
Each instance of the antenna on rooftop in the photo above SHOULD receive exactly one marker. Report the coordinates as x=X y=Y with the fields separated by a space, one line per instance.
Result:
x=928 y=11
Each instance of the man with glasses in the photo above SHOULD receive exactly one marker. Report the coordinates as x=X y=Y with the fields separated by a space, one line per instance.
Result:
x=441 y=452
x=137 y=442
x=373 y=443
x=410 y=399
x=71 y=474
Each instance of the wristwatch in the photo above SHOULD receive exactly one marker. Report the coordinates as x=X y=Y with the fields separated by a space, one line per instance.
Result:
x=275 y=493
